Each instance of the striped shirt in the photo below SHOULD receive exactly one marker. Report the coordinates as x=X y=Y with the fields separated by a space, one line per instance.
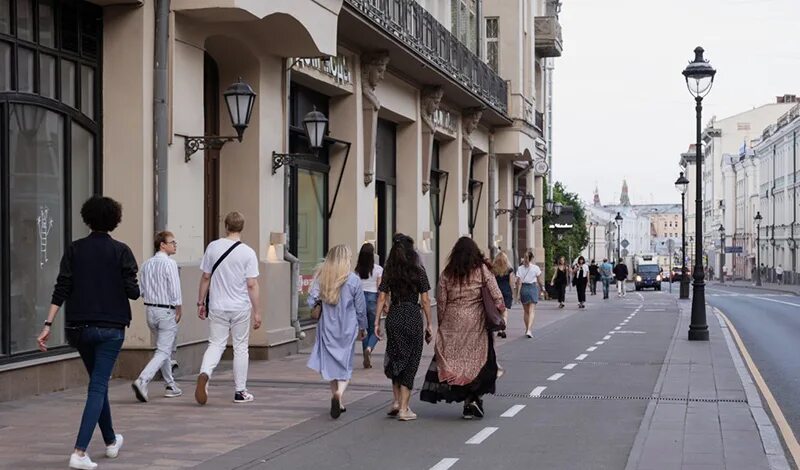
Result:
x=160 y=282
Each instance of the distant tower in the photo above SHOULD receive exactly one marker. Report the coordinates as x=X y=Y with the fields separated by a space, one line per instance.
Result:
x=624 y=200
x=596 y=197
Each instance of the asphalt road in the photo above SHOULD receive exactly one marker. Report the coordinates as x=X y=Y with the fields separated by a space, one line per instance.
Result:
x=769 y=324
x=584 y=354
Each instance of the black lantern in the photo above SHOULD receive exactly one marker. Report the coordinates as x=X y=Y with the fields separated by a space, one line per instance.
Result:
x=475 y=190
x=758 y=220
x=618 y=223
x=548 y=206
x=315 y=124
x=682 y=185
x=519 y=195
x=239 y=99
x=557 y=208
x=529 y=200
x=699 y=75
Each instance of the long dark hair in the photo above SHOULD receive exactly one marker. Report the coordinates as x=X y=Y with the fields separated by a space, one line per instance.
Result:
x=366 y=261
x=463 y=260
x=402 y=267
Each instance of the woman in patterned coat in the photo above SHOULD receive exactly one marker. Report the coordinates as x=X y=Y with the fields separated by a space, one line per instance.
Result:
x=464 y=367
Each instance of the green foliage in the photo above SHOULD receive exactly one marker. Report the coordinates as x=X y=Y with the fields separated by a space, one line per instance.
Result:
x=576 y=238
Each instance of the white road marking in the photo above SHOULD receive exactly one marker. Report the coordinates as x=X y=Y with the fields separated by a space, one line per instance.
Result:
x=598 y=343
x=777 y=301
x=592 y=348
x=511 y=412
x=482 y=435
x=581 y=357
x=570 y=366
x=537 y=392
x=619 y=327
x=444 y=464
x=555 y=377
x=606 y=337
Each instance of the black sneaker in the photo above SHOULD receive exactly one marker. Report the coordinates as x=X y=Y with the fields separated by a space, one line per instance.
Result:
x=477 y=408
x=501 y=334
x=243 y=397
x=467 y=413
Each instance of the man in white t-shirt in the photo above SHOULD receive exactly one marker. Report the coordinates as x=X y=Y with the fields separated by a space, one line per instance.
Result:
x=232 y=297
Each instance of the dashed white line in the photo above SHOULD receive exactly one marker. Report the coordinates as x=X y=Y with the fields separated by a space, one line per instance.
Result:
x=537 y=392
x=617 y=328
x=592 y=348
x=555 y=377
x=606 y=337
x=581 y=357
x=444 y=464
x=511 y=412
x=570 y=366
x=599 y=343
x=482 y=435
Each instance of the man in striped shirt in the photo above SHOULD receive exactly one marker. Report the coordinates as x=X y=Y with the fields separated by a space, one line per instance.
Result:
x=161 y=291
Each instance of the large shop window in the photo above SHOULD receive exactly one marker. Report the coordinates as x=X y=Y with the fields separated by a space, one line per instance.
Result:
x=49 y=155
x=308 y=195
x=385 y=186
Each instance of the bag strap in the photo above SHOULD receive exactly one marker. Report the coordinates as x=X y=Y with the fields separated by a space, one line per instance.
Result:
x=224 y=255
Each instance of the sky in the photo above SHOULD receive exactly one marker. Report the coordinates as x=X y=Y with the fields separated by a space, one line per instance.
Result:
x=620 y=104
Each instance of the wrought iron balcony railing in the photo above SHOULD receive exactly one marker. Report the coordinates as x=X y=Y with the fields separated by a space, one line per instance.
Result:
x=409 y=22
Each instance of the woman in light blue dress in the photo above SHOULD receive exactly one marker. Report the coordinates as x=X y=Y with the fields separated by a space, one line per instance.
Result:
x=343 y=320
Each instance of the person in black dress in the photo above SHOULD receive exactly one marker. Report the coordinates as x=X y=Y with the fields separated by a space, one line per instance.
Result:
x=407 y=283
x=581 y=276
x=560 y=280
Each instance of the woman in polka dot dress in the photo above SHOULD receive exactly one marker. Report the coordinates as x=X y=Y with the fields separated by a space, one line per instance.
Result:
x=405 y=280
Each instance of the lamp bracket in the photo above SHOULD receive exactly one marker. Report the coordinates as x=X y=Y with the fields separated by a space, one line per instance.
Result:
x=534 y=218
x=287 y=159
x=192 y=144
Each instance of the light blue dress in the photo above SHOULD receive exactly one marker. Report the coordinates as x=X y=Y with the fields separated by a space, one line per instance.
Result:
x=337 y=330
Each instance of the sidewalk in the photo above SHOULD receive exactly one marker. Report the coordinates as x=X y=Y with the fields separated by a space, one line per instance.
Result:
x=708 y=414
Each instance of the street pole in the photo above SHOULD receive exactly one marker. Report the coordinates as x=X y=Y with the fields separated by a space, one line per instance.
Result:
x=722 y=257
x=619 y=238
x=698 y=329
x=758 y=253
x=684 y=286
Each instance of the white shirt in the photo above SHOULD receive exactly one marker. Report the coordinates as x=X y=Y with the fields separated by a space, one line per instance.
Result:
x=779 y=270
x=528 y=274
x=228 y=290
x=370 y=284
x=160 y=282
x=584 y=268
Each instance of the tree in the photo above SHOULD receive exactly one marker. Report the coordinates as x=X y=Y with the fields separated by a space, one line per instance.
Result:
x=576 y=238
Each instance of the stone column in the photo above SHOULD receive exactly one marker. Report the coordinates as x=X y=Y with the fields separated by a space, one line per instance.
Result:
x=373 y=68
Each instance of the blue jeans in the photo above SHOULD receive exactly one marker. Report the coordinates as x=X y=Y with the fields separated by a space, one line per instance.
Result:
x=606 y=282
x=372 y=304
x=99 y=348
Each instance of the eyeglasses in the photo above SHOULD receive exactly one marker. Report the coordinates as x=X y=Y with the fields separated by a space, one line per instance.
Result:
x=173 y=243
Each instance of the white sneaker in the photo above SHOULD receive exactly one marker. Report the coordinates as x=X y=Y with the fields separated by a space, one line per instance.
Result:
x=243 y=397
x=140 y=390
x=81 y=463
x=529 y=334
x=172 y=391
x=112 y=451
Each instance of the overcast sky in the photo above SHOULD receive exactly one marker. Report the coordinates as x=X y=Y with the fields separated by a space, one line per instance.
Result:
x=621 y=107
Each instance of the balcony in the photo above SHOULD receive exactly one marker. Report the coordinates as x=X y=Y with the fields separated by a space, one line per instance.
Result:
x=409 y=23
x=547 y=31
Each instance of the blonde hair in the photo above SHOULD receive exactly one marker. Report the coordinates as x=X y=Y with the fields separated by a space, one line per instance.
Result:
x=333 y=273
x=501 y=264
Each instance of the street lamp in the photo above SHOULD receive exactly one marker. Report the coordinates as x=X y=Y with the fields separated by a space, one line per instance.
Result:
x=618 y=222
x=314 y=125
x=699 y=75
x=721 y=254
x=682 y=184
x=758 y=219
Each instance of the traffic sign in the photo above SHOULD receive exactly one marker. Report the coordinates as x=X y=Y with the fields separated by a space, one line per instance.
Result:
x=734 y=249
x=625 y=243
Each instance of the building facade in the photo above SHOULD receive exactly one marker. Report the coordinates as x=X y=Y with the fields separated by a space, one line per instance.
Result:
x=435 y=115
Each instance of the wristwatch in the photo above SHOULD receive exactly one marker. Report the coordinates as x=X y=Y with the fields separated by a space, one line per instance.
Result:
x=48 y=323
x=200 y=304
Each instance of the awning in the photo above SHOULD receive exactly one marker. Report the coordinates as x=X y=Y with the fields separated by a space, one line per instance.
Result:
x=290 y=28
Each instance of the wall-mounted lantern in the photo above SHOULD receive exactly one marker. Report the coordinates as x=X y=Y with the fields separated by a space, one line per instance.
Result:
x=314 y=125
x=239 y=99
x=475 y=190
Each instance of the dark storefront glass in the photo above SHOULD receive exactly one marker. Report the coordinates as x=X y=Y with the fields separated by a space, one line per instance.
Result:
x=385 y=186
x=49 y=155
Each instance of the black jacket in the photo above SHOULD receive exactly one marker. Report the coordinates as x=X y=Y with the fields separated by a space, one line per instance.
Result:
x=621 y=272
x=96 y=279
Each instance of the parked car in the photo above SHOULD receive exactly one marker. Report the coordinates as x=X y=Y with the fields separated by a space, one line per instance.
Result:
x=675 y=275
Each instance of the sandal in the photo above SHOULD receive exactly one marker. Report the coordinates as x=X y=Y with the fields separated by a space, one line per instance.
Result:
x=394 y=411
x=336 y=407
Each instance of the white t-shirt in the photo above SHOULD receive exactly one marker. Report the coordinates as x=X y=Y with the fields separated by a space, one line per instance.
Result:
x=228 y=289
x=528 y=274
x=371 y=283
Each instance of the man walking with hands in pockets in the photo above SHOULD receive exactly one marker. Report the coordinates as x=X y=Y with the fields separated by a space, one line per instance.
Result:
x=161 y=290
x=230 y=284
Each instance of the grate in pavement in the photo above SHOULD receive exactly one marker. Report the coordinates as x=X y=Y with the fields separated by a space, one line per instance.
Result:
x=621 y=397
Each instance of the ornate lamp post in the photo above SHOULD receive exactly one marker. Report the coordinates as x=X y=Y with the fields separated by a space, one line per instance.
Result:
x=721 y=254
x=699 y=76
x=618 y=223
x=682 y=184
x=758 y=219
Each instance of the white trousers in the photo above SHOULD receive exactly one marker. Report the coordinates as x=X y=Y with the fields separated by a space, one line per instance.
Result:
x=620 y=288
x=162 y=323
x=221 y=323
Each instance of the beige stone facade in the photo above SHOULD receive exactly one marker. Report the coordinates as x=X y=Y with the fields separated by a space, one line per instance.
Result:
x=423 y=138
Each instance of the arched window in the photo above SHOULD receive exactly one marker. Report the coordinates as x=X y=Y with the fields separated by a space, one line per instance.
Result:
x=50 y=81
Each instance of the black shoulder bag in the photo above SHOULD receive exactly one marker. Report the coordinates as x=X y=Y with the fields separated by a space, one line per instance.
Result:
x=214 y=268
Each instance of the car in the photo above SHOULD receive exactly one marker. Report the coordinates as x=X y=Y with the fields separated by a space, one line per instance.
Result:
x=647 y=275
x=675 y=275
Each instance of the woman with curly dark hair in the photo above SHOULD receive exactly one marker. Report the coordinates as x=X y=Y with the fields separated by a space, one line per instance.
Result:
x=97 y=278
x=407 y=283
x=464 y=366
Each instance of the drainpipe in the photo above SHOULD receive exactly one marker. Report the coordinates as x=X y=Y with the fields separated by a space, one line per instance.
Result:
x=287 y=256
x=794 y=203
x=160 y=113
x=492 y=196
x=774 y=214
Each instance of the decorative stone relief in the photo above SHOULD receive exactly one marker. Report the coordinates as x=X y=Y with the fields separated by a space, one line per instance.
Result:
x=373 y=68
x=469 y=122
x=429 y=104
